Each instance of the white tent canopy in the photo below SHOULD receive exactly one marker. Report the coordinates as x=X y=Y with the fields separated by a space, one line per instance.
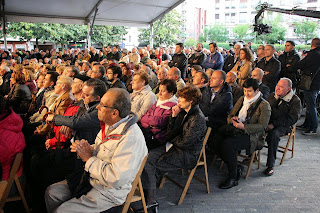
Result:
x=110 y=12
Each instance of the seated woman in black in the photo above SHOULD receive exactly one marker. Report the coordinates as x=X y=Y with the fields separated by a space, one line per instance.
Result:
x=186 y=130
x=247 y=122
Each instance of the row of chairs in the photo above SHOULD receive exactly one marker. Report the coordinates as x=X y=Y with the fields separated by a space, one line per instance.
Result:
x=136 y=193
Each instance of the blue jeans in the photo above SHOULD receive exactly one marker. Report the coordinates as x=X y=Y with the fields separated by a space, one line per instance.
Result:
x=311 y=121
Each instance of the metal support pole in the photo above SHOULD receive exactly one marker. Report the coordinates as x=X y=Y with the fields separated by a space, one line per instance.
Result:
x=151 y=35
x=4 y=25
x=88 y=36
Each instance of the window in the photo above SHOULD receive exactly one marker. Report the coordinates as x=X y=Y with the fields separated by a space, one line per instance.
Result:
x=227 y=17
x=243 y=17
x=233 y=18
x=243 y=5
x=217 y=16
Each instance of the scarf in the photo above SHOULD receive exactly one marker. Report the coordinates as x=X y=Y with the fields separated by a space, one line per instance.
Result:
x=246 y=104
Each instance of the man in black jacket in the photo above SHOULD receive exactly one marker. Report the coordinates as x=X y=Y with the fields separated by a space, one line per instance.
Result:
x=198 y=57
x=257 y=74
x=200 y=80
x=5 y=75
x=310 y=66
x=285 y=110
x=271 y=67
x=114 y=74
x=179 y=60
x=288 y=61
x=231 y=60
x=116 y=53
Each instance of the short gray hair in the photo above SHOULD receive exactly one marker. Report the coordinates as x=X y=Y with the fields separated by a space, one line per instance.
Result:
x=122 y=101
x=288 y=80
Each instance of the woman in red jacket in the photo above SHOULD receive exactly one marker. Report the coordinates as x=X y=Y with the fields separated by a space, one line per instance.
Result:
x=11 y=138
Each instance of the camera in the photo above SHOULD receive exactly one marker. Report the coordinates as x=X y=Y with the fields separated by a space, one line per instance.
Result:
x=262 y=28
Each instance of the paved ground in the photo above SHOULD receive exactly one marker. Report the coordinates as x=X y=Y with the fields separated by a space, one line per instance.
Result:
x=295 y=186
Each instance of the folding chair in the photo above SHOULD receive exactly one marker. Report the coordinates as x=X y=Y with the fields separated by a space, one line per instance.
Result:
x=284 y=150
x=202 y=161
x=5 y=186
x=136 y=184
x=251 y=159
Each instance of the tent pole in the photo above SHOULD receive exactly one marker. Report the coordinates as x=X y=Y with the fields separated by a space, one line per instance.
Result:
x=151 y=35
x=4 y=26
x=88 y=35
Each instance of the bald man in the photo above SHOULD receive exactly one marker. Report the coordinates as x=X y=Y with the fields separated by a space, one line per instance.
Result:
x=258 y=73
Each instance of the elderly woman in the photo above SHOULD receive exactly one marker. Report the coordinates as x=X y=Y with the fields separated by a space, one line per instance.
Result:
x=155 y=121
x=246 y=126
x=142 y=97
x=19 y=97
x=186 y=130
x=243 y=67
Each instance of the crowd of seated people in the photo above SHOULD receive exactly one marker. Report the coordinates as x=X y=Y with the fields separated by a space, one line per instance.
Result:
x=89 y=117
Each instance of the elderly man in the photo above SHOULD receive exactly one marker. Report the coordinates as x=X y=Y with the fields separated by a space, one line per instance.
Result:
x=112 y=162
x=257 y=74
x=215 y=59
x=153 y=77
x=179 y=60
x=98 y=72
x=237 y=91
x=134 y=57
x=231 y=60
x=71 y=71
x=285 y=110
x=175 y=74
x=271 y=67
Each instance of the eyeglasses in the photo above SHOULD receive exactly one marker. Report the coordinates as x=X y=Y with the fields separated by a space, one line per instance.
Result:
x=101 y=105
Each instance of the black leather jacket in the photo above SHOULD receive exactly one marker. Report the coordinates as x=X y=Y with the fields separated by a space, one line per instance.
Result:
x=180 y=61
x=273 y=67
x=20 y=98
x=291 y=58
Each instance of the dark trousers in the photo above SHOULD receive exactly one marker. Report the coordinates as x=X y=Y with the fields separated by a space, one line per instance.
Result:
x=273 y=139
x=311 y=121
x=229 y=148
x=155 y=168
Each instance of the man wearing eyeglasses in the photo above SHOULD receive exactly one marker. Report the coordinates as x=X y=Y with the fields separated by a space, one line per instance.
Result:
x=86 y=126
x=112 y=161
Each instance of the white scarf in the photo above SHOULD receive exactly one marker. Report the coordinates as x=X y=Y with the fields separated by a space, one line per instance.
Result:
x=246 y=104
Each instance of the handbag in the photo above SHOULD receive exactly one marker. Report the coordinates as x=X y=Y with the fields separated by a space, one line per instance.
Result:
x=306 y=80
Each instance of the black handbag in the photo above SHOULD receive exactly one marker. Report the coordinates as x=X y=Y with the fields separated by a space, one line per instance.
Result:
x=306 y=80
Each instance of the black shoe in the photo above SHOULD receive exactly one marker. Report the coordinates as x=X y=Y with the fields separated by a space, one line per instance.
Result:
x=229 y=183
x=152 y=208
x=239 y=171
x=302 y=127
x=269 y=171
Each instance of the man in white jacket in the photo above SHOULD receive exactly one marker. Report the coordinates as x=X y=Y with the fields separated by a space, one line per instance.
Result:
x=112 y=162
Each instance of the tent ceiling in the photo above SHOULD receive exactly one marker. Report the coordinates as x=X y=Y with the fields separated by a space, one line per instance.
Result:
x=110 y=12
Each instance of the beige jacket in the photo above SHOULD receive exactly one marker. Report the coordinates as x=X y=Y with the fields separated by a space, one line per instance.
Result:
x=243 y=73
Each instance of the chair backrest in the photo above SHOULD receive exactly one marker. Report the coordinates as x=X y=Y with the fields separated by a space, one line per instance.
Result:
x=134 y=186
x=205 y=140
x=13 y=172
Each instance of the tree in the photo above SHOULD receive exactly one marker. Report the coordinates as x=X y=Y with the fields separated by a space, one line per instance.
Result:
x=106 y=35
x=27 y=31
x=189 y=42
x=306 y=30
x=241 y=31
x=168 y=32
x=217 y=33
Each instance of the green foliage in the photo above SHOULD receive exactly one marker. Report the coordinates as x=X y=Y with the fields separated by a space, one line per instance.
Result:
x=241 y=31
x=277 y=35
x=217 y=33
x=65 y=33
x=168 y=32
x=107 y=35
x=190 y=42
x=306 y=30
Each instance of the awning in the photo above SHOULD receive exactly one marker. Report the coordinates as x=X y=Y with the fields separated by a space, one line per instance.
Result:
x=137 y=13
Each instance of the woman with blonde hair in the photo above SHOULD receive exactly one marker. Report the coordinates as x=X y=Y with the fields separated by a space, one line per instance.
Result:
x=243 y=67
x=29 y=76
